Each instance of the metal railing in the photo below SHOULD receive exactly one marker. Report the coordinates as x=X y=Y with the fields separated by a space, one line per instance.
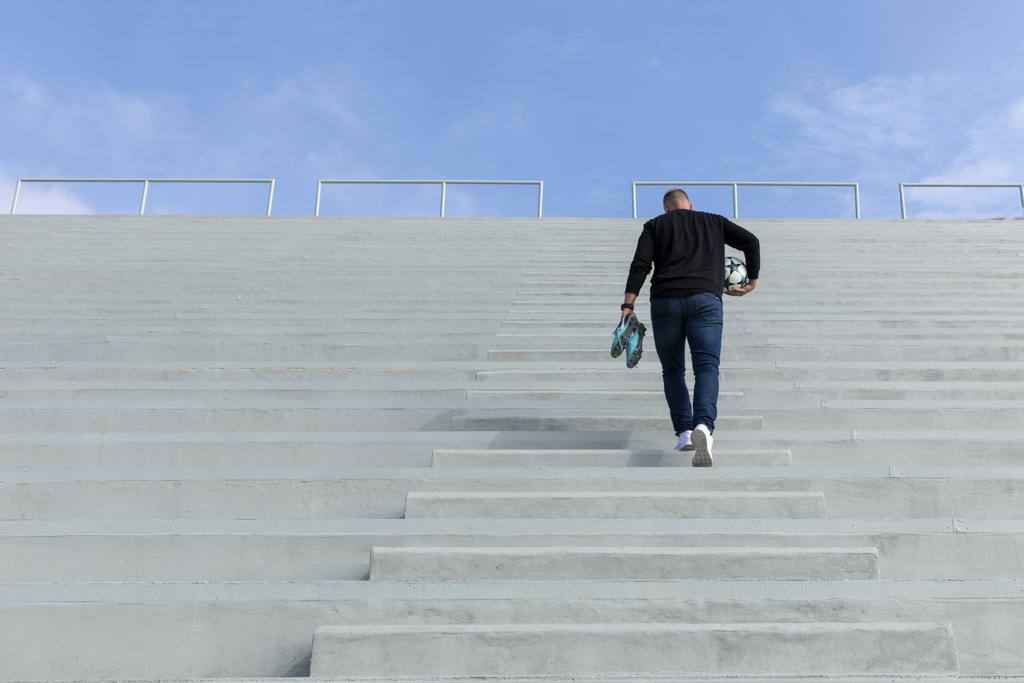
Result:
x=146 y=182
x=444 y=188
x=903 y=199
x=736 y=184
x=443 y=184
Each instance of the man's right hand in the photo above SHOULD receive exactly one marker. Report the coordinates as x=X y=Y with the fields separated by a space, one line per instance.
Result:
x=745 y=289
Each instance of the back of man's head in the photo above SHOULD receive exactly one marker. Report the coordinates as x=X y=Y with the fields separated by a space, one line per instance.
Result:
x=676 y=199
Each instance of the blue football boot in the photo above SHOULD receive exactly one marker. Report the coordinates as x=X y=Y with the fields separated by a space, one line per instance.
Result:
x=621 y=334
x=635 y=344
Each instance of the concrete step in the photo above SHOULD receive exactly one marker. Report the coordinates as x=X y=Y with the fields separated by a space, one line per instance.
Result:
x=248 y=616
x=623 y=505
x=443 y=334
x=591 y=331
x=561 y=343
x=224 y=350
x=502 y=420
x=545 y=395
x=899 y=678
x=739 y=334
x=378 y=373
x=993 y=351
x=496 y=651
x=157 y=324
x=219 y=419
x=55 y=394
x=773 y=298
x=582 y=457
x=66 y=453
x=274 y=394
x=893 y=414
x=498 y=288
x=751 y=313
x=761 y=371
x=631 y=563
x=851 y=493
x=792 y=325
x=755 y=395
x=423 y=414
x=312 y=550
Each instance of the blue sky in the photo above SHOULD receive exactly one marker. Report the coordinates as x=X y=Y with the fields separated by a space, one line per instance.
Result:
x=584 y=95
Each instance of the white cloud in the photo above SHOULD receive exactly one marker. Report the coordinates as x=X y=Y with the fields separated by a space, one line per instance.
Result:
x=887 y=129
x=994 y=153
x=50 y=199
x=111 y=120
x=87 y=130
x=883 y=112
x=35 y=198
x=314 y=93
x=881 y=118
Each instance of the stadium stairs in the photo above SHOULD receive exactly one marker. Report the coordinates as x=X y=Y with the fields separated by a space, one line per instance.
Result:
x=398 y=449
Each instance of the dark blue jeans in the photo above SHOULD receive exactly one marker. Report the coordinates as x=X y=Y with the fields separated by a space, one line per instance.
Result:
x=697 y=320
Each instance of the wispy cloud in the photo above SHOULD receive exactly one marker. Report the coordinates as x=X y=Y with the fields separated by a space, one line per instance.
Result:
x=883 y=112
x=994 y=152
x=886 y=129
x=113 y=122
x=51 y=199
x=56 y=199
x=314 y=93
x=857 y=126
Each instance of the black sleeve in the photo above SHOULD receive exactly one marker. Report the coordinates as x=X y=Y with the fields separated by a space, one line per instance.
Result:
x=744 y=240
x=641 y=264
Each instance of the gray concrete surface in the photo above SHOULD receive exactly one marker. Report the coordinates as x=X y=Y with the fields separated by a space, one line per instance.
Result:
x=439 y=563
x=492 y=651
x=208 y=425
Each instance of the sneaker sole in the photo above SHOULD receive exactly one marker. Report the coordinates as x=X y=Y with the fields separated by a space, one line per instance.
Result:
x=619 y=341
x=702 y=456
x=634 y=358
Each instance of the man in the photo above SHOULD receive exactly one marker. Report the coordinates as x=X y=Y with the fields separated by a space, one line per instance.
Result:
x=687 y=249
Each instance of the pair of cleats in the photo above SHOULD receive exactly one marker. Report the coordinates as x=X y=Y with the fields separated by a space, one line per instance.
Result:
x=628 y=338
x=699 y=440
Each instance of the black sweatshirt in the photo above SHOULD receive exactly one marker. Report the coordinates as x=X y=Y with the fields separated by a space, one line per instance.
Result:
x=688 y=252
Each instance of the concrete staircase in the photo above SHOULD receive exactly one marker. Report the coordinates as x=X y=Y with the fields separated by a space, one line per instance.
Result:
x=397 y=448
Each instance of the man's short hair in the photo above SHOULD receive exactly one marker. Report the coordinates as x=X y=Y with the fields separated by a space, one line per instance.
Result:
x=672 y=194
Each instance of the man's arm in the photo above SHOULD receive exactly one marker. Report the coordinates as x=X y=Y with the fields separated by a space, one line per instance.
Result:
x=744 y=240
x=640 y=266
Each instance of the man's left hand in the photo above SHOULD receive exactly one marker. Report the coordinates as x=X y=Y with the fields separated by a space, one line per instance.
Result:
x=745 y=289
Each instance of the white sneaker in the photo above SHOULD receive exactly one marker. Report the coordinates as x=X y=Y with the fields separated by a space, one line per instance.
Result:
x=702 y=441
x=683 y=442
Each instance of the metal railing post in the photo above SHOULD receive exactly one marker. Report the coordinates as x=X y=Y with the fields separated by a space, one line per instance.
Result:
x=145 y=195
x=540 y=199
x=270 y=196
x=17 y=191
x=1022 y=200
x=735 y=200
x=903 y=204
x=634 y=198
x=319 y=185
x=856 y=201
x=444 y=196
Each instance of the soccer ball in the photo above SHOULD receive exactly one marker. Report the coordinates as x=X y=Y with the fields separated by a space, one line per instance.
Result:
x=735 y=273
